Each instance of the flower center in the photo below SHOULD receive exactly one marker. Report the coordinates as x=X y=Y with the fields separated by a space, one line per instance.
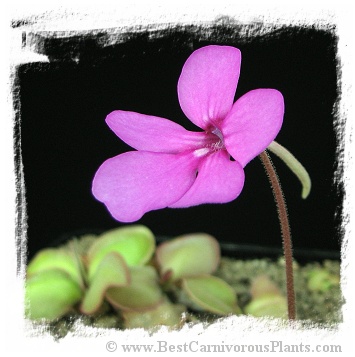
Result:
x=218 y=144
x=212 y=143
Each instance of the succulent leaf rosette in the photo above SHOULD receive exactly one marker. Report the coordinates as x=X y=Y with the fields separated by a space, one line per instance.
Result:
x=124 y=268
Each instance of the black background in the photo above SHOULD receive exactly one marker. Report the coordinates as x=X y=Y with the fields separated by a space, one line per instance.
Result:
x=64 y=139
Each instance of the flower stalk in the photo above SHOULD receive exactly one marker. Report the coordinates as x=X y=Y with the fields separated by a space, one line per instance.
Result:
x=285 y=231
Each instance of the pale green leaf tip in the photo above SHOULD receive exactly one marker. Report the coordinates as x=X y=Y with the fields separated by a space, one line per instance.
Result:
x=135 y=243
x=306 y=190
x=188 y=255
x=211 y=294
x=294 y=165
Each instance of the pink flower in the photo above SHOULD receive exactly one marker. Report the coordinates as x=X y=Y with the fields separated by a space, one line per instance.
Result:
x=173 y=167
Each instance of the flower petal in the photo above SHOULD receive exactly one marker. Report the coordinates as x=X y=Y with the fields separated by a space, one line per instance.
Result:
x=150 y=133
x=136 y=182
x=253 y=123
x=207 y=84
x=219 y=180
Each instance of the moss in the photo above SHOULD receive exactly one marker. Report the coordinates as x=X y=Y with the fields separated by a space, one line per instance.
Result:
x=319 y=307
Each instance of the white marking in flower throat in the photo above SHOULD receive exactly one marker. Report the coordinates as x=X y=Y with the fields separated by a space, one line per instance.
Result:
x=201 y=152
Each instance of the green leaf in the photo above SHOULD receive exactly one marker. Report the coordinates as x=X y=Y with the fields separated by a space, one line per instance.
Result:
x=135 y=244
x=267 y=299
x=263 y=285
x=111 y=271
x=165 y=313
x=50 y=294
x=141 y=294
x=268 y=305
x=51 y=258
x=188 y=255
x=212 y=294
